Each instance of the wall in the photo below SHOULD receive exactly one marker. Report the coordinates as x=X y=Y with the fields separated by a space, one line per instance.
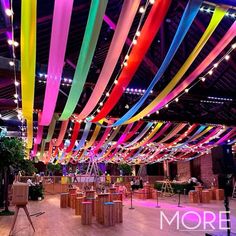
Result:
x=207 y=175
x=183 y=170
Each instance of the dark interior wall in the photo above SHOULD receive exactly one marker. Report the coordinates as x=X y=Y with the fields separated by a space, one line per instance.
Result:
x=155 y=169
x=195 y=167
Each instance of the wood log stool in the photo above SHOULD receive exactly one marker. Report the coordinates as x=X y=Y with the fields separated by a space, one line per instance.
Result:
x=116 y=196
x=64 y=200
x=142 y=194
x=109 y=216
x=103 y=197
x=193 y=196
x=213 y=193
x=93 y=200
x=90 y=193
x=72 y=200
x=147 y=190
x=118 y=211
x=112 y=190
x=86 y=213
x=210 y=193
x=198 y=189
x=78 y=205
x=206 y=196
x=71 y=191
x=219 y=194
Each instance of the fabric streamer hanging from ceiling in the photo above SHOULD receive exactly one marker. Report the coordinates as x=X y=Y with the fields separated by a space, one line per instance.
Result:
x=148 y=33
x=60 y=29
x=93 y=27
x=28 y=63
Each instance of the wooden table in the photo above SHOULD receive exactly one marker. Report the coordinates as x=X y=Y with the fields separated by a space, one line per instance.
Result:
x=101 y=198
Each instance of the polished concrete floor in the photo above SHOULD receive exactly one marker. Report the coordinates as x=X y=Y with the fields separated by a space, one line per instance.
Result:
x=144 y=220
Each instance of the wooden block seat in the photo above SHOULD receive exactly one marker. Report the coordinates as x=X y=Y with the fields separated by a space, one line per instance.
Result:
x=64 y=200
x=72 y=200
x=116 y=196
x=118 y=211
x=193 y=196
x=78 y=205
x=109 y=216
x=101 y=198
x=93 y=200
x=86 y=213
x=90 y=193
x=206 y=197
x=219 y=194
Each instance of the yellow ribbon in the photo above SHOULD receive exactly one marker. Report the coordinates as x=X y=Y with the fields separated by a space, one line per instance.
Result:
x=151 y=134
x=93 y=138
x=202 y=133
x=28 y=61
x=215 y=20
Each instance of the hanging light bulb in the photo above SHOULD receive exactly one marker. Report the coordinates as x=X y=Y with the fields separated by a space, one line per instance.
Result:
x=142 y=9
x=107 y=94
x=116 y=81
x=216 y=65
x=210 y=72
x=126 y=57
x=186 y=90
x=233 y=46
x=11 y=63
x=177 y=99
x=138 y=33
x=203 y=79
x=152 y=1
x=16 y=95
x=101 y=103
x=227 y=57
x=9 y=12
x=125 y=63
x=135 y=41
x=17 y=83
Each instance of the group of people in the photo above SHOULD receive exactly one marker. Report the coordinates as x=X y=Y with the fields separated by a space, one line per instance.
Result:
x=136 y=183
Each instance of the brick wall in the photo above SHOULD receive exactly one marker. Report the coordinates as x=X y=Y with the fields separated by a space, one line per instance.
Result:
x=207 y=175
x=183 y=170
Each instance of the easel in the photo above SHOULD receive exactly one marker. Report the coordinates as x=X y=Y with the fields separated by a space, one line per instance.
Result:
x=167 y=189
x=16 y=214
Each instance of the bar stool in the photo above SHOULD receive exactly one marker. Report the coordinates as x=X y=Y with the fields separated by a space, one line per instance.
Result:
x=78 y=205
x=103 y=197
x=64 y=200
x=118 y=211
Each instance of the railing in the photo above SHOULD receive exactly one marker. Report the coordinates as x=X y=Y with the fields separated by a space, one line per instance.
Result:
x=58 y=184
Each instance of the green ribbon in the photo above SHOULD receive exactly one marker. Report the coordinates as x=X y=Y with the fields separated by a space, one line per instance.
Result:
x=93 y=27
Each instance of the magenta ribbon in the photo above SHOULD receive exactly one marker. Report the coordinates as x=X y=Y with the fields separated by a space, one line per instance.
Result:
x=60 y=29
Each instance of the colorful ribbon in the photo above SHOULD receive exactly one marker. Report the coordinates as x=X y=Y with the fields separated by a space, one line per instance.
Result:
x=216 y=18
x=95 y=19
x=60 y=29
x=189 y=14
x=126 y=18
x=148 y=32
x=28 y=62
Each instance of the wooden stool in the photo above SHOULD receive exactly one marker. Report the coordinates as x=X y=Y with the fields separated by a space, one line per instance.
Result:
x=213 y=193
x=90 y=194
x=93 y=200
x=210 y=193
x=103 y=197
x=198 y=189
x=72 y=200
x=118 y=211
x=86 y=213
x=78 y=205
x=109 y=219
x=115 y=196
x=64 y=200
x=112 y=190
x=193 y=196
x=206 y=196
x=219 y=194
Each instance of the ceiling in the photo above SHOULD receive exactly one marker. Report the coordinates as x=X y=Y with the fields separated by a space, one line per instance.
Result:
x=189 y=108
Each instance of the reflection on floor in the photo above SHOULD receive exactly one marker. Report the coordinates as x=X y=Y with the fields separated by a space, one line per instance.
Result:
x=144 y=220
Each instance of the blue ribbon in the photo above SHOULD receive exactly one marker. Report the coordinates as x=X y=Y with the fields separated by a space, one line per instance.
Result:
x=189 y=14
x=84 y=136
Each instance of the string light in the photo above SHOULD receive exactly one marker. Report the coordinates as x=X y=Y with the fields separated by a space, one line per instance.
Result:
x=210 y=72
x=11 y=63
x=142 y=9
x=227 y=57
